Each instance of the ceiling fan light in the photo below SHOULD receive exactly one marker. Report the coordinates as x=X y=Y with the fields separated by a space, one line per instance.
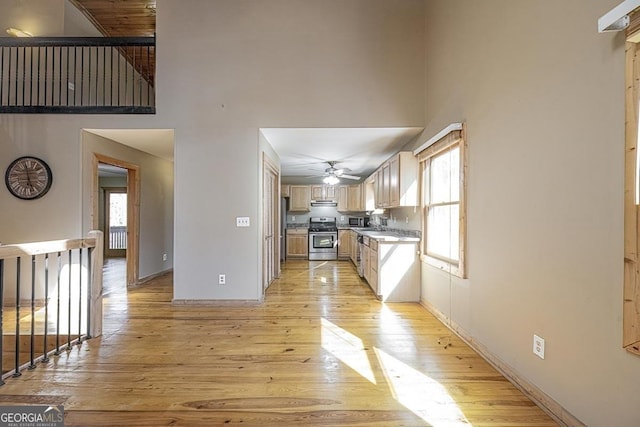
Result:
x=331 y=180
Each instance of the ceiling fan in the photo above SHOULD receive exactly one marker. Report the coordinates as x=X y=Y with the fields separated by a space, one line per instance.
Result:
x=332 y=174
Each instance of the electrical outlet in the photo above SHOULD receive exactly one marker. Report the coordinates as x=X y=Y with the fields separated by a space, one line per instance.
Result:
x=222 y=279
x=164 y=257
x=293 y=218
x=242 y=221
x=538 y=346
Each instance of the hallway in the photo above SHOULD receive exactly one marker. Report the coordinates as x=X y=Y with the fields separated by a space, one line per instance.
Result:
x=321 y=350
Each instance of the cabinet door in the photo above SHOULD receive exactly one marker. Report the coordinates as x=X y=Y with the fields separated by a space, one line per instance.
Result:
x=297 y=245
x=343 y=198
x=354 y=248
x=373 y=270
x=385 y=185
x=330 y=192
x=300 y=198
x=285 y=190
x=316 y=192
x=344 y=244
x=354 y=203
x=394 y=181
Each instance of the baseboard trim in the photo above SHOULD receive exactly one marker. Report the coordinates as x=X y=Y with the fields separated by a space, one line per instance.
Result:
x=216 y=302
x=146 y=279
x=543 y=400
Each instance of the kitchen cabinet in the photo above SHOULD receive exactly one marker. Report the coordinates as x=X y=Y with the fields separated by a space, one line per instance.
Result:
x=285 y=190
x=355 y=201
x=343 y=198
x=396 y=182
x=364 y=259
x=394 y=271
x=323 y=192
x=351 y=198
x=354 y=249
x=300 y=198
x=297 y=243
x=373 y=265
x=344 y=244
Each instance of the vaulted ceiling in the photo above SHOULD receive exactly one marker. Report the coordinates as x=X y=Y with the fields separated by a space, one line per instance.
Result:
x=120 y=18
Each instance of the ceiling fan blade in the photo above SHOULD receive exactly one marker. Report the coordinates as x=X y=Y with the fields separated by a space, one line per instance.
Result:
x=350 y=177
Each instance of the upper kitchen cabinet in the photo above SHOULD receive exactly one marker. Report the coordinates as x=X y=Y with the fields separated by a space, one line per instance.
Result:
x=323 y=192
x=396 y=182
x=300 y=198
x=351 y=198
x=285 y=190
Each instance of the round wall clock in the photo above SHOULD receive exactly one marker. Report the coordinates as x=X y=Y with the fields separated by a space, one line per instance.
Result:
x=28 y=178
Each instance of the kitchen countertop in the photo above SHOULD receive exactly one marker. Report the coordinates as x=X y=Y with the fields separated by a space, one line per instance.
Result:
x=386 y=235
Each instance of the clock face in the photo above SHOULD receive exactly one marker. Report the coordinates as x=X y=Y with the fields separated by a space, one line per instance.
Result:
x=28 y=178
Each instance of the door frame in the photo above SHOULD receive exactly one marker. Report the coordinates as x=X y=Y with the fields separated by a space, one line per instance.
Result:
x=133 y=210
x=270 y=270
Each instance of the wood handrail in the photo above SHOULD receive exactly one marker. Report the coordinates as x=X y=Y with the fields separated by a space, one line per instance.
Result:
x=41 y=248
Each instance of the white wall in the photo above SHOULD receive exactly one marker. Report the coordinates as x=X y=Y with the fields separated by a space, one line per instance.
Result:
x=227 y=68
x=542 y=95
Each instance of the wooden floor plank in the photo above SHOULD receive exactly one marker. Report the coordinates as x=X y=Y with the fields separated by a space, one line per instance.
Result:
x=321 y=350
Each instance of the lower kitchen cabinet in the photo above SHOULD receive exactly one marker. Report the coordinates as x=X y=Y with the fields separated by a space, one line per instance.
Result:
x=393 y=270
x=344 y=244
x=297 y=243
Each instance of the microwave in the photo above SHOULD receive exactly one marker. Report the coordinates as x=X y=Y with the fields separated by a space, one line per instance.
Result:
x=359 y=221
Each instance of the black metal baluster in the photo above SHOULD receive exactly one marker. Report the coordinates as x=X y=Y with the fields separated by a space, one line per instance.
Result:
x=80 y=297
x=32 y=365
x=46 y=67
x=1 y=76
x=69 y=302
x=16 y=372
x=81 y=76
x=104 y=76
x=17 y=66
x=89 y=75
x=1 y=320
x=89 y=286
x=58 y=306
x=45 y=353
x=111 y=77
x=60 y=75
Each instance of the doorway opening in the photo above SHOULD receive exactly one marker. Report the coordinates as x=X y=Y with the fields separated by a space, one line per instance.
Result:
x=116 y=213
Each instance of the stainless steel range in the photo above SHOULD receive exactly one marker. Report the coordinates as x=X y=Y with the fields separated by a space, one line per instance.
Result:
x=323 y=239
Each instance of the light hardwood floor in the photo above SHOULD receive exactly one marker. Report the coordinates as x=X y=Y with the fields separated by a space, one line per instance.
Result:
x=320 y=351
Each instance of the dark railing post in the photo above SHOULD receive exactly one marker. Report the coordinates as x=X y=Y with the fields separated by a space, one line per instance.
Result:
x=58 y=306
x=32 y=365
x=80 y=297
x=89 y=285
x=17 y=373
x=1 y=320
x=45 y=353
x=69 y=301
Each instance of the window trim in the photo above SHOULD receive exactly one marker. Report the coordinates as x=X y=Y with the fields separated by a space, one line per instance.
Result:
x=445 y=140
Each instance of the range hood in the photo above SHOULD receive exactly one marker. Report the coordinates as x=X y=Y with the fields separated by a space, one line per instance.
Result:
x=325 y=203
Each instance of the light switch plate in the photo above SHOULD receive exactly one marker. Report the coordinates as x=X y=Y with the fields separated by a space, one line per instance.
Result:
x=242 y=221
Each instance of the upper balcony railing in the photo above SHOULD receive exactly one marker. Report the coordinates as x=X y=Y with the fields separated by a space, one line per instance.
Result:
x=77 y=75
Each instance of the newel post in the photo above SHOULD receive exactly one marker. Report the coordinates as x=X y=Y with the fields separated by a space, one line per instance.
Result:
x=97 y=260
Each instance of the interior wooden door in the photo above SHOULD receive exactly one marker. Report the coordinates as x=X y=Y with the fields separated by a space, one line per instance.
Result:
x=270 y=223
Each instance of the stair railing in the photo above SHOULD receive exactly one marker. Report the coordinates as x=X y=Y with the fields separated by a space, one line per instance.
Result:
x=53 y=290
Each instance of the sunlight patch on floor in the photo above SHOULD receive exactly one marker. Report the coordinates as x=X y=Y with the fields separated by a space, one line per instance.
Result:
x=347 y=348
x=422 y=395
